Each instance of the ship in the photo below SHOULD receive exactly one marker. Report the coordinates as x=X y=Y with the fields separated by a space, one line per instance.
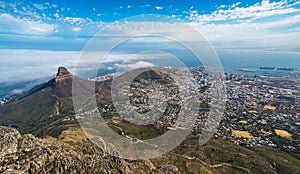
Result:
x=286 y=69
x=266 y=67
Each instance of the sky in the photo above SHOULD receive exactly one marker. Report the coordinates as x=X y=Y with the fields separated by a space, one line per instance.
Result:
x=38 y=36
x=66 y=25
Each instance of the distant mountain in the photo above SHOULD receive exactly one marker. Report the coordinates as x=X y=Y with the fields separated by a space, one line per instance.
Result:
x=38 y=110
x=41 y=110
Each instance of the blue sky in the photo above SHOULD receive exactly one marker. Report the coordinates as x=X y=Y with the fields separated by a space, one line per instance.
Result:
x=38 y=36
x=67 y=25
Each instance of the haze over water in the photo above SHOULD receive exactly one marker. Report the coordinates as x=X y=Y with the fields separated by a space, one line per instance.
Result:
x=231 y=60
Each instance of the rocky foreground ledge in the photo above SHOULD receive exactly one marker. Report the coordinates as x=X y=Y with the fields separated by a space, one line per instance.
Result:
x=28 y=154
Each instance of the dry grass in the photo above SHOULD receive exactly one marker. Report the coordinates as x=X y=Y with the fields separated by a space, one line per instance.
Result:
x=50 y=139
x=282 y=133
x=269 y=107
x=242 y=134
x=73 y=135
x=252 y=111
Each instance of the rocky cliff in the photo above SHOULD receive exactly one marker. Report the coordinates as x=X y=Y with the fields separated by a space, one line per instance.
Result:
x=28 y=154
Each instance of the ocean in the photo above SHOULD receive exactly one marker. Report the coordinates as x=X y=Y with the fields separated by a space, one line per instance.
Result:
x=247 y=62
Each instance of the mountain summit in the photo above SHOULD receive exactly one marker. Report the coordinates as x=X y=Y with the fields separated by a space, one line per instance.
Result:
x=63 y=83
x=62 y=74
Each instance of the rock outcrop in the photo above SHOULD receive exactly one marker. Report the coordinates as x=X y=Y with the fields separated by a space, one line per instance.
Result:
x=63 y=83
x=9 y=141
x=62 y=74
x=28 y=154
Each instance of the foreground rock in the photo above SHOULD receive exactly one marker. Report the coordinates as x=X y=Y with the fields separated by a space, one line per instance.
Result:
x=28 y=154
x=9 y=141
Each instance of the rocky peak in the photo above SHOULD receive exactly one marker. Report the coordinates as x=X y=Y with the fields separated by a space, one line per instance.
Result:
x=63 y=83
x=62 y=74
x=62 y=71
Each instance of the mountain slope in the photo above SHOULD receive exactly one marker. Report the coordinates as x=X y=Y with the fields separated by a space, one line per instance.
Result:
x=59 y=145
x=40 y=108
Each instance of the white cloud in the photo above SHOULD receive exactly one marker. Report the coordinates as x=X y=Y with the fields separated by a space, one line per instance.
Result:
x=139 y=64
x=17 y=66
x=296 y=3
x=16 y=91
x=76 y=29
x=237 y=35
x=238 y=27
x=40 y=7
x=247 y=29
x=76 y=21
x=159 y=7
x=275 y=35
x=259 y=10
x=221 y=6
x=23 y=65
x=54 y=5
x=56 y=15
x=228 y=23
x=37 y=19
x=10 y=24
x=235 y=5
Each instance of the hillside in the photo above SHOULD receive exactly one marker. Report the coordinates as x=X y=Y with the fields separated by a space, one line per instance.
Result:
x=41 y=135
x=42 y=110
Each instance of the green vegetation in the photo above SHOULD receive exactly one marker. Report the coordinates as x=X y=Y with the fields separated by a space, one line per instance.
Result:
x=221 y=156
x=281 y=161
x=243 y=121
x=40 y=114
x=136 y=131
